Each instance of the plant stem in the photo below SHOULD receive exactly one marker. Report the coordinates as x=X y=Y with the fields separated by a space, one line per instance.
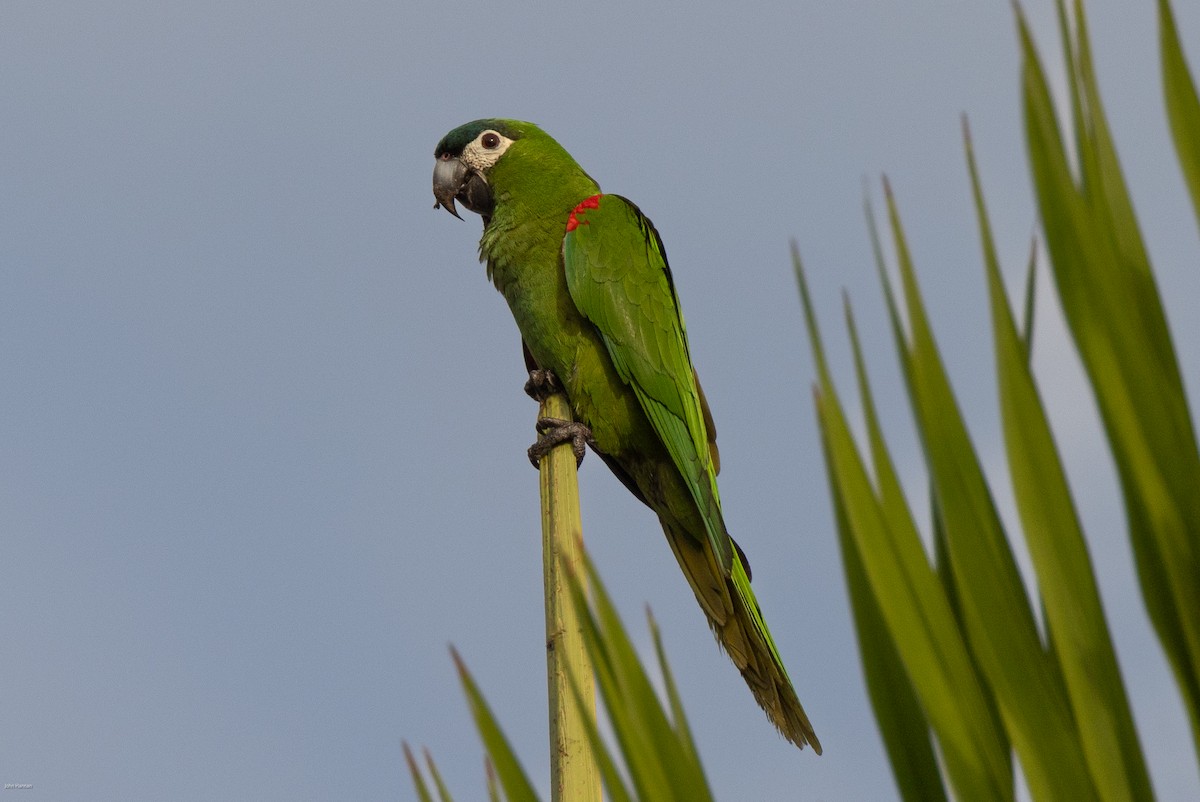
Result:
x=573 y=774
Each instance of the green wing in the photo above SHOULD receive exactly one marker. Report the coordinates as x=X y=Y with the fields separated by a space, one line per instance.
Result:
x=617 y=274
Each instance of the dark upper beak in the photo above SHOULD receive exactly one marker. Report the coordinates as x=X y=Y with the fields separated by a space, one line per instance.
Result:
x=449 y=175
x=454 y=180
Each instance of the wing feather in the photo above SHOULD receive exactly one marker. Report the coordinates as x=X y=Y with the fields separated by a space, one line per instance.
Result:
x=618 y=277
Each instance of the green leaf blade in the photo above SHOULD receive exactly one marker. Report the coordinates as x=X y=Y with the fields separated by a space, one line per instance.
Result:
x=662 y=762
x=1071 y=599
x=914 y=608
x=417 y=775
x=513 y=779
x=995 y=607
x=902 y=722
x=1115 y=315
x=1183 y=106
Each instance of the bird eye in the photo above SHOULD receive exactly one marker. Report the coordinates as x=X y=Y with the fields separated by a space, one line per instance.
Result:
x=491 y=140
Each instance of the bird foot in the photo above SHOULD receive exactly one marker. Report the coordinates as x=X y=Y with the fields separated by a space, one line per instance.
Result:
x=542 y=384
x=553 y=431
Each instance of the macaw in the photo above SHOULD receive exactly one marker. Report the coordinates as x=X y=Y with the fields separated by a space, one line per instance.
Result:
x=586 y=277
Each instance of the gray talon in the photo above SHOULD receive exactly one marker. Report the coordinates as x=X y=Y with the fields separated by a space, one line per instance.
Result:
x=541 y=385
x=553 y=431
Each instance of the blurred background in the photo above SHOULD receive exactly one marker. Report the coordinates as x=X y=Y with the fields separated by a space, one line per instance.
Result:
x=262 y=433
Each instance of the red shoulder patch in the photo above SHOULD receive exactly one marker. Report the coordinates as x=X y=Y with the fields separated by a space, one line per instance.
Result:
x=573 y=220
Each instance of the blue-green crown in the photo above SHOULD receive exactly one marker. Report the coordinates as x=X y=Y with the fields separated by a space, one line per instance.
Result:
x=454 y=142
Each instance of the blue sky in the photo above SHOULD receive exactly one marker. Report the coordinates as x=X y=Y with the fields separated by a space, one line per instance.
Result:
x=261 y=424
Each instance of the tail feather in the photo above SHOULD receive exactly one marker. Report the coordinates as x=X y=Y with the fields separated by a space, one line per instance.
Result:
x=736 y=620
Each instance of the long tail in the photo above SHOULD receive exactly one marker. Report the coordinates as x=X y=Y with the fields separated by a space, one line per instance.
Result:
x=734 y=616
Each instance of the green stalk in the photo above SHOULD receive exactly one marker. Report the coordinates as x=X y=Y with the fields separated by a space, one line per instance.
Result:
x=573 y=774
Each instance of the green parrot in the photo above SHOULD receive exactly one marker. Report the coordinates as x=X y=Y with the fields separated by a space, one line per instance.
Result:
x=586 y=277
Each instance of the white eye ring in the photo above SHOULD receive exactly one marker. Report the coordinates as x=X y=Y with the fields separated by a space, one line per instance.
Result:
x=490 y=140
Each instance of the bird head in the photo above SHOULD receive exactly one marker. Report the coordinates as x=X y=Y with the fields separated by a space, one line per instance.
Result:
x=464 y=158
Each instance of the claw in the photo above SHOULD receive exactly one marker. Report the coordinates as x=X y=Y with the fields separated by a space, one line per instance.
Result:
x=554 y=431
x=542 y=384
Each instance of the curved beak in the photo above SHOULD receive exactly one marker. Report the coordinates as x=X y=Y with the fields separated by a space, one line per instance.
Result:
x=449 y=175
x=453 y=180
